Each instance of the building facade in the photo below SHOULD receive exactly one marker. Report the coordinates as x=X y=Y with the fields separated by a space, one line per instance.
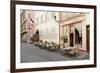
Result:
x=65 y=28
x=47 y=26
x=73 y=25
x=27 y=25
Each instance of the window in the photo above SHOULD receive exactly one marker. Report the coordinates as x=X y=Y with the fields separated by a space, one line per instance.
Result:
x=48 y=16
x=22 y=15
x=41 y=19
x=37 y=21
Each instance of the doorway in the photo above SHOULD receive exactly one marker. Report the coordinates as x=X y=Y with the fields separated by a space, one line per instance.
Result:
x=71 y=39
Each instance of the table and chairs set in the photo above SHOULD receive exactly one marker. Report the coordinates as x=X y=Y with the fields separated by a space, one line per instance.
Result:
x=52 y=46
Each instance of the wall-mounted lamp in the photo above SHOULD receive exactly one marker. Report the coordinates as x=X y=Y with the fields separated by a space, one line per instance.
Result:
x=55 y=18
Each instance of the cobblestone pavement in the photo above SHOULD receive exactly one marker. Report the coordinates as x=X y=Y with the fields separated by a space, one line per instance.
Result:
x=31 y=53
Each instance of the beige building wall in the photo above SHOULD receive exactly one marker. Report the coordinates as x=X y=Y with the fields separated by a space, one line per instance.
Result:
x=47 y=26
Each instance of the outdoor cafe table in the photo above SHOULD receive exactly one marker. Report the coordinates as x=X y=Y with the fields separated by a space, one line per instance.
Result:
x=66 y=50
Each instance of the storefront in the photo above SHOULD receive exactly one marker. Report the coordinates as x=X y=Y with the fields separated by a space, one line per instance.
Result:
x=74 y=30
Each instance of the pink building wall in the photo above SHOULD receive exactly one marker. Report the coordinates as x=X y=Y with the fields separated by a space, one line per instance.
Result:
x=30 y=25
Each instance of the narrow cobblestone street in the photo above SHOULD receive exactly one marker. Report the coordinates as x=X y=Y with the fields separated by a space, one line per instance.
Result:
x=31 y=53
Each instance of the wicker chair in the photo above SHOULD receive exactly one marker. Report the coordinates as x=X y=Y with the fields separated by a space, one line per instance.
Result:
x=43 y=45
x=40 y=43
x=53 y=46
x=73 y=52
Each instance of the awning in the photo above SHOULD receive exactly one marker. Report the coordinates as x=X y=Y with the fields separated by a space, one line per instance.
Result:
x=24 y=32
